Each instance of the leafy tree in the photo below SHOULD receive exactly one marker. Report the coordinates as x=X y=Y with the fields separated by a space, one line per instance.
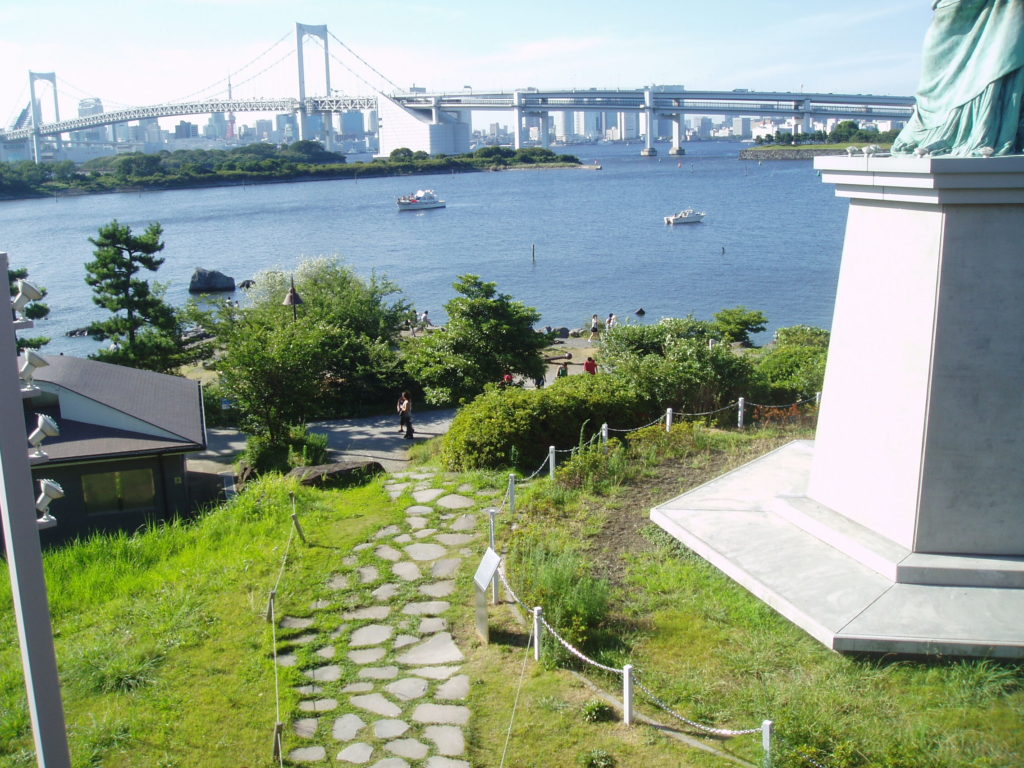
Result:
x=143 y=328
x=401 y=154
x=488 y=333
x=793 y=372
x=738 y=323
x=342 y=344
x=34 y=310
x=802 y=336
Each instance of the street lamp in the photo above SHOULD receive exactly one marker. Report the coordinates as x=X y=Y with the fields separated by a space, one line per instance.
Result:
x=292 y=299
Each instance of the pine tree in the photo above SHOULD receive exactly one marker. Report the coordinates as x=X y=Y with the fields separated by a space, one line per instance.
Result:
x=33 y=310
x=143 y=328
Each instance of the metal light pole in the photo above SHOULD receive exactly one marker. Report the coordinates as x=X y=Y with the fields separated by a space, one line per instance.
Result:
x=25 y=561
x=292 y=299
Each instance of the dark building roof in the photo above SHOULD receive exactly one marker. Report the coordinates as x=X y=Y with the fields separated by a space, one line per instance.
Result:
x=170 y=403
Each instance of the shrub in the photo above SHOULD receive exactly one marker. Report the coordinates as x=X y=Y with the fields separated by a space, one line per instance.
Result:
x=557 y=577
x=596 y=758
x=515 y=427
x=300 y=449
x=597 y=711
x=793 y=372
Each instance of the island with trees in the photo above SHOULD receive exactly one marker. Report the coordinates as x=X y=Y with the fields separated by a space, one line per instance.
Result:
x=250 y=164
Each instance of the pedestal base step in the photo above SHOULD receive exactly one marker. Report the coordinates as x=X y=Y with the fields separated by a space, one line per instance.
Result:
x=733 y=522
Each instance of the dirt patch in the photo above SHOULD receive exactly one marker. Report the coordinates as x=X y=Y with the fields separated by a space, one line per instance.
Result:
x=628 y=511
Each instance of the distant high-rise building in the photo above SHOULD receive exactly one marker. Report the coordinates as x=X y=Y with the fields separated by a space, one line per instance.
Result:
x=264 y=129
x=741 y=127
x=705 y=127
x=186 y=130
x=353 y=125
x=87 y=107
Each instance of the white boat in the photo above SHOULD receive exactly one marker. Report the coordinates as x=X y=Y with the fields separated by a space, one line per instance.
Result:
x=423 y=198
x=689 y=216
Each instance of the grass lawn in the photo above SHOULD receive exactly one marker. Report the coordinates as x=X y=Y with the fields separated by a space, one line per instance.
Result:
x=166 y=655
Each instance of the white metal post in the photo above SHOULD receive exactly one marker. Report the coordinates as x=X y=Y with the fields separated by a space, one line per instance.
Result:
x=627 y=694
x=767 y=731
x=491 y=512
x=740 y=413
x=668 y=419
x=551 y=462
x=604 y=435
x=537 y=629
x=817 y=398
x=25 y=561
x=512 y=493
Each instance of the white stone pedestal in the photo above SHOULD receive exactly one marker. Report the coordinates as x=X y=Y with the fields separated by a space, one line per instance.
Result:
x=921 y=431
x=901 y=528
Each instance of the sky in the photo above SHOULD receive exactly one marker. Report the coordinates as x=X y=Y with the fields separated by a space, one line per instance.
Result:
x=145 y=52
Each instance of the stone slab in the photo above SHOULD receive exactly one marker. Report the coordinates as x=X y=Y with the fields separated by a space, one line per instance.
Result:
x=326 y=674
x=389 y=729
x=379 y=673
x=385 y=552
x=327 y=652
x=403 y=640
x=405 y=538
x=423 y=552
x=370 y=612
x=307 y=754
x=357 y=753
x=426 y=608
x=446 y=568
x=840 y=601
x=367 y=656
x=357 y=688
x=374 y=634
x=436 y=673
x=376 y=703
x=426 y=533
x=455 y=539
x=406 y=571
x=368 y=574
x=455 y=501
x=416 y=522
x=419 y=509
x=347 y=726
x=438 y=588
x=408 y=688
x=437 y=761
x=385 y=591
x=427 y=494
x=448 y=739
x=391 y=762
x=464 y=523
x=432 y=625
x=455 y=689
x=438 y=649
x=410 y=748
x=291 y=622
x=318 y=705
x=441 y=714
x=305 y=727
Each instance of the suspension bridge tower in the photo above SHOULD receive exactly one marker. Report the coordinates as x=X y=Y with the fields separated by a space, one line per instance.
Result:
x=51 y=78
x=301 y=32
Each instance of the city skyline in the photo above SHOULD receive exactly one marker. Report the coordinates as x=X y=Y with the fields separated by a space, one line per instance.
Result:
x=149 y=53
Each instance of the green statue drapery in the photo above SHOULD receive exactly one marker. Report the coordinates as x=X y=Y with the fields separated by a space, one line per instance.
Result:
x=972 y=81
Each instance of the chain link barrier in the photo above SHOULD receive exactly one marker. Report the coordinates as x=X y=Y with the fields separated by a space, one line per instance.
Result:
x=791 y=405
x=700 y=726
x=637 y=429
x=575 y=651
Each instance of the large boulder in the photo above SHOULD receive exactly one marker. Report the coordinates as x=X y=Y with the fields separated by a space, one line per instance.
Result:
x=338 y=474
x=210 y=281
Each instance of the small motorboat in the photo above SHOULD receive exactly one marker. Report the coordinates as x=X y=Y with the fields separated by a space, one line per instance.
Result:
x=689 y=216
x=421 y=199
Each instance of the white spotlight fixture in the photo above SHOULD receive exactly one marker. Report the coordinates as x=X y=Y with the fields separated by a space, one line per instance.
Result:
x=922 y=152
x=49 y=490
x=28 y=366
x=45 y=427
x=26 y=293
x=986 y=151
x=851 y=151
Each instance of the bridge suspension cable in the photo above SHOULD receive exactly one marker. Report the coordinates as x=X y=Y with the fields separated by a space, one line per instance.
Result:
x=82 y=92
x=349 y=69
x=224 y=80
x=365 y=63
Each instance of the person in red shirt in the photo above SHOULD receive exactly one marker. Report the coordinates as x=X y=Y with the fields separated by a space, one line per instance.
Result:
x=590 y=366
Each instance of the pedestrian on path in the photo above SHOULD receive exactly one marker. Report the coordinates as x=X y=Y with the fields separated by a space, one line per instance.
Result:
x=595 y=327
x=405 y=415
x=590 y=366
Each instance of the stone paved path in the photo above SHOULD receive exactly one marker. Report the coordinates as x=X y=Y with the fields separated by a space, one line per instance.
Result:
x=385 y=685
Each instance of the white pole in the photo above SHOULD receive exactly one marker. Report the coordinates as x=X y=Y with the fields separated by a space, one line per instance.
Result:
x=604 y=435
x=512 y=493
x=740 y=412
x=537 y=629
x=25 y=561
x=627 y=694
x=491 y=512
x=817 y=398
x=551 y=462
x=767 y=730
x=668 y=419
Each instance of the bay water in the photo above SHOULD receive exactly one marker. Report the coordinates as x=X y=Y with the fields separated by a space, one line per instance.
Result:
x=772 y=238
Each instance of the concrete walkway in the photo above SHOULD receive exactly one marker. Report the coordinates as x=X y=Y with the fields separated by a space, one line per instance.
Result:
x=373 y=437
x=385 y=687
